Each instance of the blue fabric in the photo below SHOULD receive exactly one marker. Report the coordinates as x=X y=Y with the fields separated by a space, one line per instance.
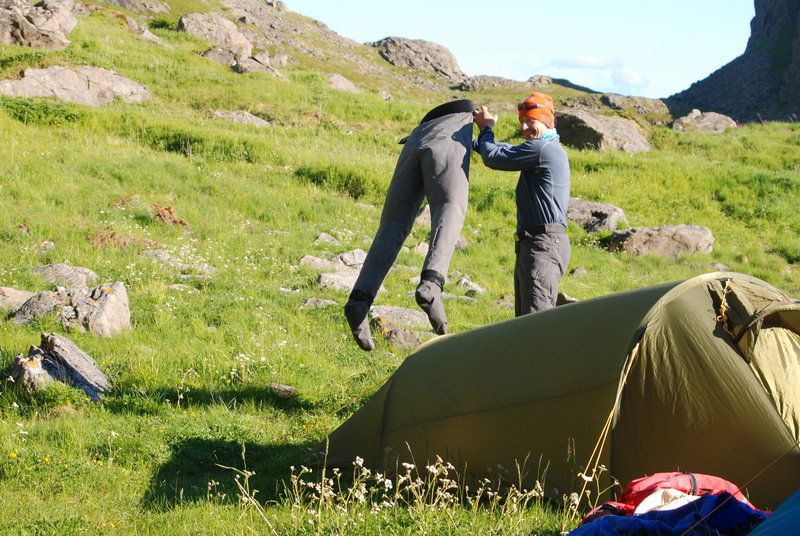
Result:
x=710 y=515
x=542 y=192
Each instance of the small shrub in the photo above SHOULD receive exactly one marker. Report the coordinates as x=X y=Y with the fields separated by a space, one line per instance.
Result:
x=351 y=181
x=40 y=111
x=159 y=23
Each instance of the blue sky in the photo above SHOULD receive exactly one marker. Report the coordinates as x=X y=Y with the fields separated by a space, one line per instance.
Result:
x=649 y=48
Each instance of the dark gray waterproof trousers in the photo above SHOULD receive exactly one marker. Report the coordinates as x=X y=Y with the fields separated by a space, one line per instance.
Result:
x=434 y=163
x=542 y=259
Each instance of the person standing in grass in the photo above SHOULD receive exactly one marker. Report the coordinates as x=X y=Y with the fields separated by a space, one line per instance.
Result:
x=542 y=195
x=434 y=163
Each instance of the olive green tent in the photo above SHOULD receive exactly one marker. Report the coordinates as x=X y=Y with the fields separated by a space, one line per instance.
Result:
x=701 y=375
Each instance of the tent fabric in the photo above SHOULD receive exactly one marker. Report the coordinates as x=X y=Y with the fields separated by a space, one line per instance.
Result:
x=708 y=391
x=784 y=521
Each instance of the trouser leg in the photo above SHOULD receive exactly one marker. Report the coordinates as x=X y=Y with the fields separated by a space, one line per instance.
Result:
x=403 y=199
x=445 y=169
x=541 y=262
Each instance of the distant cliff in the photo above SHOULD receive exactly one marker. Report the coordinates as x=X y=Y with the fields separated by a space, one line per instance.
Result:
x=764 y=82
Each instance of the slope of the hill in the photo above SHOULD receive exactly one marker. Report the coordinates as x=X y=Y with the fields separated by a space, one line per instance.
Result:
x=764 y=82
x=81 y=185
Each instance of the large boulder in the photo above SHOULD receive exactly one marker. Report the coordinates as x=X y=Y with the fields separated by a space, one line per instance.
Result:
x=59 y=359
x=93 y=86
x=217 y=30
x=585 y=130
x=668 y=240
x=594 y=216
x=45 y=25
x=697 y=121
x=421 y=56
x=340 y=83
x=102 y=310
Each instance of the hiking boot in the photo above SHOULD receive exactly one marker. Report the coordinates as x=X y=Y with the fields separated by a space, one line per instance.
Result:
x=356 y=314
x=429 y=298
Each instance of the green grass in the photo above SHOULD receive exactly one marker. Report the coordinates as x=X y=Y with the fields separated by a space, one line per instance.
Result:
x=190 y=399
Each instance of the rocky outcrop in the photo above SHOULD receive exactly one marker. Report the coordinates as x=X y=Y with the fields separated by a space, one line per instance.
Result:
x=241 y=116
x=764 y=82
x=219 y=31
x=667 y=241
x=593 y=216
x=102 y=310
x=340 y=83
x=59 y=359
x=422 y=56
x=147 y=5
x=697 y=121
x=585 y=130
x=93 y=86
x=45 y=25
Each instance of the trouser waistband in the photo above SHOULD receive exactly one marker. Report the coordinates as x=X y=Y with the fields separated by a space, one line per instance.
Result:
x=539 y=229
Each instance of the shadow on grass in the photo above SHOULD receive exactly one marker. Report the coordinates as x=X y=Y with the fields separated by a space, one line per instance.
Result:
x=155 y=401
x=199 y=471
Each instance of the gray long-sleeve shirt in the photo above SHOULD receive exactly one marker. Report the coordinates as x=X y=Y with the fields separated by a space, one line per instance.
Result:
x=543 y=186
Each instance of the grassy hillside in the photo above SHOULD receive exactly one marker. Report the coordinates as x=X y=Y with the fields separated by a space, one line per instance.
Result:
x=191 y=410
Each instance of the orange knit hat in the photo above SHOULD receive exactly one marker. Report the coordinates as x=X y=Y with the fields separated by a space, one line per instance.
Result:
x=538 y=106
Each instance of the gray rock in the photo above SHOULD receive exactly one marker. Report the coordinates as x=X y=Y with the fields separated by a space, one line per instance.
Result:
x=401 y=316
x=66 y=275
x=44 y=247
x=12 y=299
x=217 y=30
x=540 y=80
x=316 y=303
x=564 y=298
x=719 y=267
x=59 y=359
x=283 y=391
x=147 y=5
x=323 y=264
x=325 y=238
x=93 y=86
x=103 y=310
x=579 y=271
x=422 y=56
x=339 y=82
x=338 y=280
x=594 y=216
x=242 y=117
x=421 y=249
x=424 y=217
x=221 y=55
x=29 y=373
x=45 y=25
x=394 y=335
x=697 y=121
x=668 y=241
x=353 y=258
x=280 y=60
x=639 y=105
x=585 y=130
x=38 y=305
x=470 y=286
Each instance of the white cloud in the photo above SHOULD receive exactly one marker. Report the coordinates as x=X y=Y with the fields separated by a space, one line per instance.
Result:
x=585 y=62
x=628 y=77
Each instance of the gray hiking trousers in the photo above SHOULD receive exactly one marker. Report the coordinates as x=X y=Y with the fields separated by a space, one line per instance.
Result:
x=542 y=259
x=434 y=163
